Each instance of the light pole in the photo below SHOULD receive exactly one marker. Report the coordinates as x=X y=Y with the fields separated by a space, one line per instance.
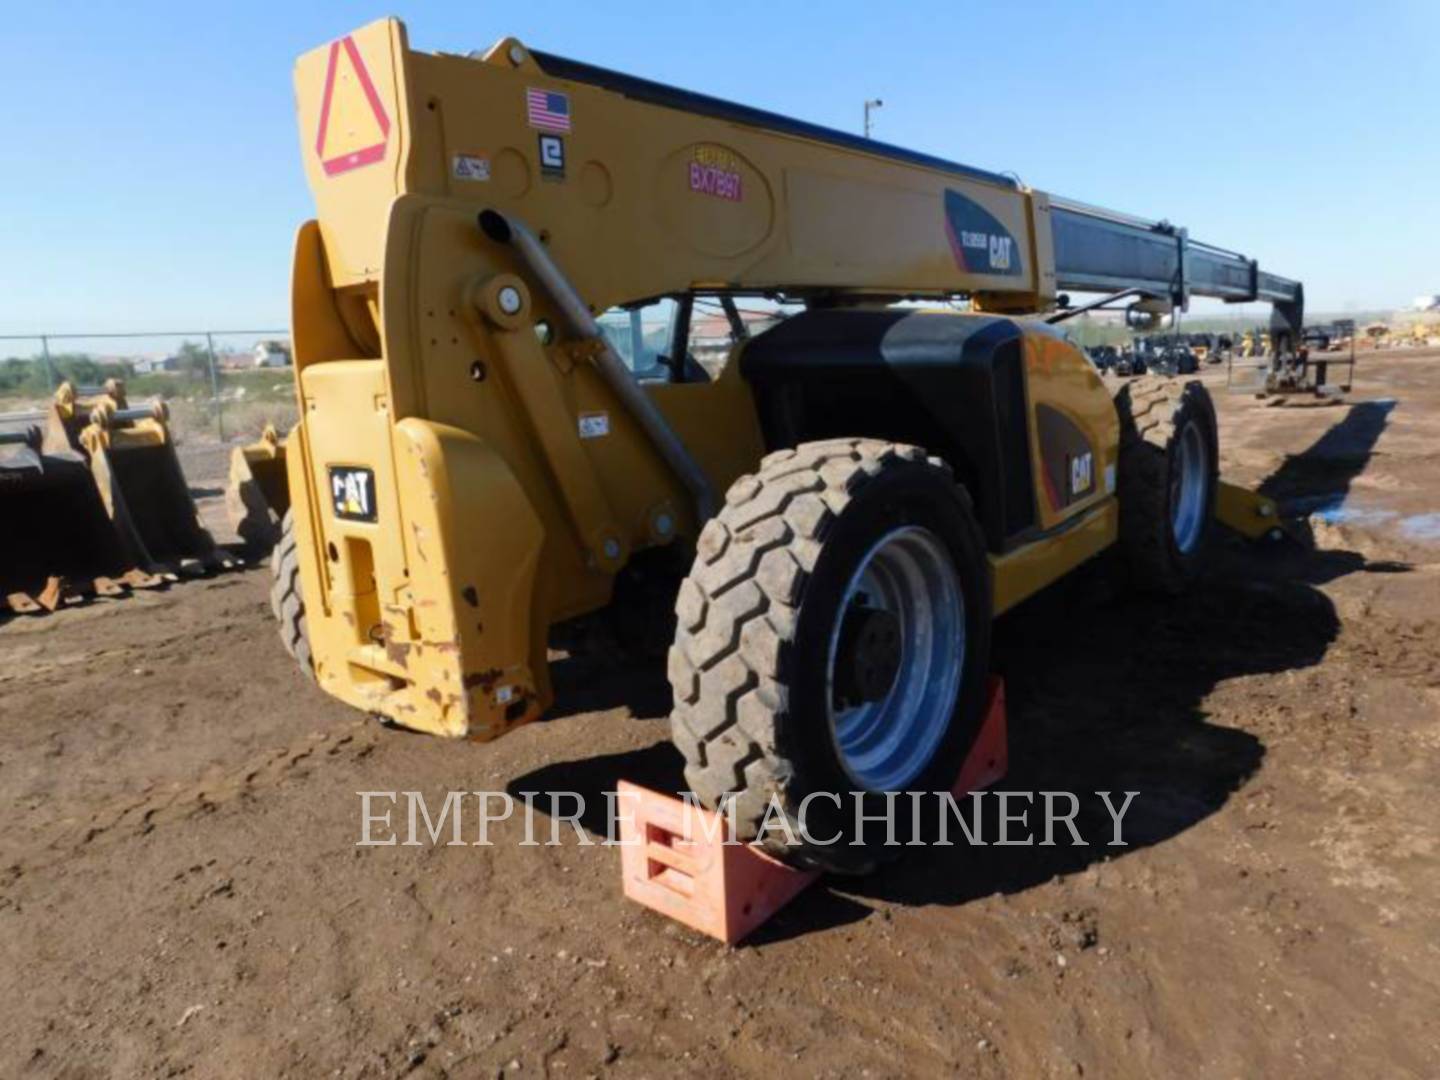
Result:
x=871 y=106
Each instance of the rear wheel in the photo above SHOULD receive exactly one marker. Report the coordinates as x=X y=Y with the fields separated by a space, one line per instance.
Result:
x=1168 y=470
x=286 y=599
x=832 y=644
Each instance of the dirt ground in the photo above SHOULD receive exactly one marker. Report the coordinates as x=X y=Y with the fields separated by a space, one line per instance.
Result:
x=181 y=892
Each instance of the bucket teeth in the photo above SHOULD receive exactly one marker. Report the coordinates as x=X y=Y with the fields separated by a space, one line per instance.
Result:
x=105 y=586
x=139 y=579
x=21 y=603
x=53 y=594
x=62 y=592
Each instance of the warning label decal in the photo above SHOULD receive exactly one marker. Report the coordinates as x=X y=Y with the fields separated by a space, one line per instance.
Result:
x=354 y=127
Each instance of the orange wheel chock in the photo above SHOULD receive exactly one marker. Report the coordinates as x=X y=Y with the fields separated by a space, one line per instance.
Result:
x=989 y=758
x=674 y=858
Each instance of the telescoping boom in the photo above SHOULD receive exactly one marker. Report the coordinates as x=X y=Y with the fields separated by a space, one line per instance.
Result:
x=1088 y=249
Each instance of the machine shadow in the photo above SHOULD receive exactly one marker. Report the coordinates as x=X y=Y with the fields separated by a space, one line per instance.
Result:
x=1107 y=695
x=588 y=684
x=593 y=684
x=1324 y=470
x=1105 y=692
x=1317 y=480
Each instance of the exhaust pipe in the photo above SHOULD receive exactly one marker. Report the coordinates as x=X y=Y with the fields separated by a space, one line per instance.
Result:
x=514 y=234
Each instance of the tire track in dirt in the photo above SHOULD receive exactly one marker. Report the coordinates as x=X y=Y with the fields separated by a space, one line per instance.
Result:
x=121 y=819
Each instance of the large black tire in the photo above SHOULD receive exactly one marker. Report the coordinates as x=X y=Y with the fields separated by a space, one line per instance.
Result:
x=286 y=599
x=1159 y=416
x=750 y=662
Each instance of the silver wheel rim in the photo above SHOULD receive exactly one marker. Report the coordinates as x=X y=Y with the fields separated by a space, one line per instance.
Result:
x=885 y=744
x=1188 y=488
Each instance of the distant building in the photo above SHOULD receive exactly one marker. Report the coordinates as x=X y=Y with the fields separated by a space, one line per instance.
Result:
x=272 y=354
x=1427 y=303
x=149 y=365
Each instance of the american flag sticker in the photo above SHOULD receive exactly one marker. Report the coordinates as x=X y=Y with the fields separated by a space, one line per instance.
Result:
x=548 y=110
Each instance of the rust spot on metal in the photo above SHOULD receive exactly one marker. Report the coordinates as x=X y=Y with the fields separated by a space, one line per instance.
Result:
x=471 y=596
x=483 y=679
x=397 y=652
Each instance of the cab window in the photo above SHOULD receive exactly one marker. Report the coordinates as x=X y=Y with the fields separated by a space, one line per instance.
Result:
x=704 y=328
x=719 y=323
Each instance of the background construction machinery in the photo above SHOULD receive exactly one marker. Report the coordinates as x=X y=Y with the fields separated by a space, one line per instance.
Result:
x=95 y=502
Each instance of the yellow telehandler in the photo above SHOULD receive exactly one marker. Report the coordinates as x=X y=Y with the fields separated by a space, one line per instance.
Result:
x=506 y=439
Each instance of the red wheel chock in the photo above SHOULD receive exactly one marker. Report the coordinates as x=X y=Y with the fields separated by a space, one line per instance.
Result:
x=674 y=858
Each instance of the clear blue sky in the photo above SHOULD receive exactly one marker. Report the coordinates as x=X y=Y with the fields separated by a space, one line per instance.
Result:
x=150 y=173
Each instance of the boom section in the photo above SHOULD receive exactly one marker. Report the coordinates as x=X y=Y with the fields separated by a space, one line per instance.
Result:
x=1102 y=251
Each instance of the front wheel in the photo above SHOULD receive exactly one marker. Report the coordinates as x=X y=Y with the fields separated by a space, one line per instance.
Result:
x=832 y=643
x=1168 y=470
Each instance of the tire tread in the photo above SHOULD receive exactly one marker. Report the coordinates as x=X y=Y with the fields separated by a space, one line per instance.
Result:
x=738 y=611
x=1149 y=408
x=286 y=600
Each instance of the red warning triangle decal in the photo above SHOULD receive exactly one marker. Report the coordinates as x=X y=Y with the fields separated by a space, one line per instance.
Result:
x=354 y=127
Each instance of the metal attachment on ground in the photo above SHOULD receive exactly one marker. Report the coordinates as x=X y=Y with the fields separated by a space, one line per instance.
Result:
x=99 y=501
x=258 y=494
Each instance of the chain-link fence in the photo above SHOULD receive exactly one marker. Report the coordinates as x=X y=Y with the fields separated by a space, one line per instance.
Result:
x=220 y=385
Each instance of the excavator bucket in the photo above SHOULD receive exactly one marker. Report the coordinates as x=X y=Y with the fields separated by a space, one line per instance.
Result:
x=258 y=495
x=57 y=543
x=137 y=476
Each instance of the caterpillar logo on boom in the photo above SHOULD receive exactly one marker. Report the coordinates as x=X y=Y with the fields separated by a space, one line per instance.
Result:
x=979 y=242
x=997 y=248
